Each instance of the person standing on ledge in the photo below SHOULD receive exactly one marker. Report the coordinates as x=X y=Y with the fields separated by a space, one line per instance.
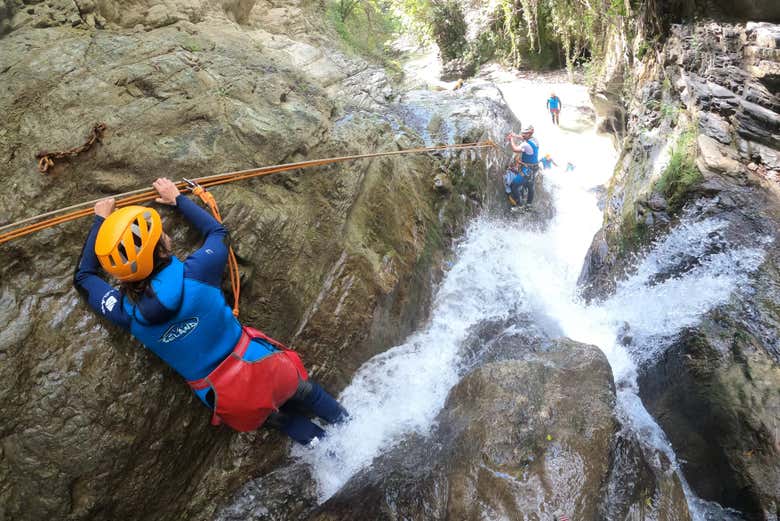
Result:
x=554 y=105
x=178 y=311
x=528 y=152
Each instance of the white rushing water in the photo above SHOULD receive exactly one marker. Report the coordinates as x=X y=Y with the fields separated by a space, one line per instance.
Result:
x=500 y=268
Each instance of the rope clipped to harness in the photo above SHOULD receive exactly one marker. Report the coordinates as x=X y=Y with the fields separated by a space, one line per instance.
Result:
x=235 y=277
x=46 y=158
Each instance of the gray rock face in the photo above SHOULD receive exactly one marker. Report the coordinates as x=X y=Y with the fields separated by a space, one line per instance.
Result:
x=714 y=391
x=719 y=86
x=339 y=262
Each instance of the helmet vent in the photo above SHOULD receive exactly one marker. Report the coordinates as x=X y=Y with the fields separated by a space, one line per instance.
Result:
x=122 y=252
x=137 y=240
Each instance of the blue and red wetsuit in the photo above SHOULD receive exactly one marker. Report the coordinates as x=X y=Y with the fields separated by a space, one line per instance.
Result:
x=184 y=319
x=554 y=105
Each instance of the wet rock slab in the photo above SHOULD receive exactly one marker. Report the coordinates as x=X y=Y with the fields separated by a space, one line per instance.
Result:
x=527 y=438
x=338 y=262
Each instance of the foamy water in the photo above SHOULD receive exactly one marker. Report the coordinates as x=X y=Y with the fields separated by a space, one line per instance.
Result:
x=501 y=267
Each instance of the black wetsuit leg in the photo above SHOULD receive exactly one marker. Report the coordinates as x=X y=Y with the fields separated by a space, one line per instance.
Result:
x=517 y=191
x=530 y=184
x=310 y=397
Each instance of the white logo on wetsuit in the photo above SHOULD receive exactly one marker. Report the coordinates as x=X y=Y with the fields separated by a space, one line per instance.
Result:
x=179 y=330
x=108 y=302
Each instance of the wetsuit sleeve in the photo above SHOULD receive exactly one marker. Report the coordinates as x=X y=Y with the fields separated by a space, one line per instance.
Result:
x=101 y=297
x=208 y=263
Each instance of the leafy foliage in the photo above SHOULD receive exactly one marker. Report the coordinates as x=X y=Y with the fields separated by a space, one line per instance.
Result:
x=681 y=174
x=344 y=8
x=365 y=26
x=449 y=29
x=531 y=33
x=415 y=17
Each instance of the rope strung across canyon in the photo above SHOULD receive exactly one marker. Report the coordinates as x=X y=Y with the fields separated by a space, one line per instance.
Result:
x=143 y=195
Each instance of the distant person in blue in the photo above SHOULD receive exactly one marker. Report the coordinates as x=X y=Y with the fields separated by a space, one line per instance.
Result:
x=548 y=162
x=570 y=167
x=177 y=310
x=554 y=105
x=526 y=164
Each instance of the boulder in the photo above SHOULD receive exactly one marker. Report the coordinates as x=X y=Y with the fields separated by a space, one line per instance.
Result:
x=516 y=438
x=529 y=430
x=642 y=484
x=715 y=157
x=714 y=392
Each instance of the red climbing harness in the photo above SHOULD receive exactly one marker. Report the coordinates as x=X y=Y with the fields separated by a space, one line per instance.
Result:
x=245 y=393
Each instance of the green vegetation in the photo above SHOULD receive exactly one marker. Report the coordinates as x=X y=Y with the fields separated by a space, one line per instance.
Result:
x=415 y=17
x=669 y=110
x=365 y=27
x=449 y=29
x=681 y=173
x=194 y=43
x=633 y=233
x=642 y=49
x=537 y=34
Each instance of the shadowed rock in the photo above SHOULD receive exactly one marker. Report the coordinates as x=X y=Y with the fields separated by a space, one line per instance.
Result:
x=713 y=390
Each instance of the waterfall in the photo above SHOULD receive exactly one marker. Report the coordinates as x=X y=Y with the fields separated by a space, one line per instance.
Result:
x=503 y=266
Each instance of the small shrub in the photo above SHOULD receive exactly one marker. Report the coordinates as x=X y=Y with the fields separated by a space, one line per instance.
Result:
x=192 y=45
x=633 y=232
x=681 y=174
x=642 y=50
x=669 y=111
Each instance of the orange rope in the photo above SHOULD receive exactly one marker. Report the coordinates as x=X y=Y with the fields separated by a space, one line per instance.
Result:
x=235 y=276
x=21 y=228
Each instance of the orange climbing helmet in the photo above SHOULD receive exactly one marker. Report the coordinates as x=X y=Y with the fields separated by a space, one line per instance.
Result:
x=126 y=241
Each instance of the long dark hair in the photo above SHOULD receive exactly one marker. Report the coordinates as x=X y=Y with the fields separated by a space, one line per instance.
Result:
x=136 y=289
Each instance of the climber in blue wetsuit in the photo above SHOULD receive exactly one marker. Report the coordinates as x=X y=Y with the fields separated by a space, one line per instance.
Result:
x=548 y=162
x=527 y=161
x=177 y=310
x=554 y=105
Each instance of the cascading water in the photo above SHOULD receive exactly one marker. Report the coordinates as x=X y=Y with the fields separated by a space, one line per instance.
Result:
x=503 y=267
